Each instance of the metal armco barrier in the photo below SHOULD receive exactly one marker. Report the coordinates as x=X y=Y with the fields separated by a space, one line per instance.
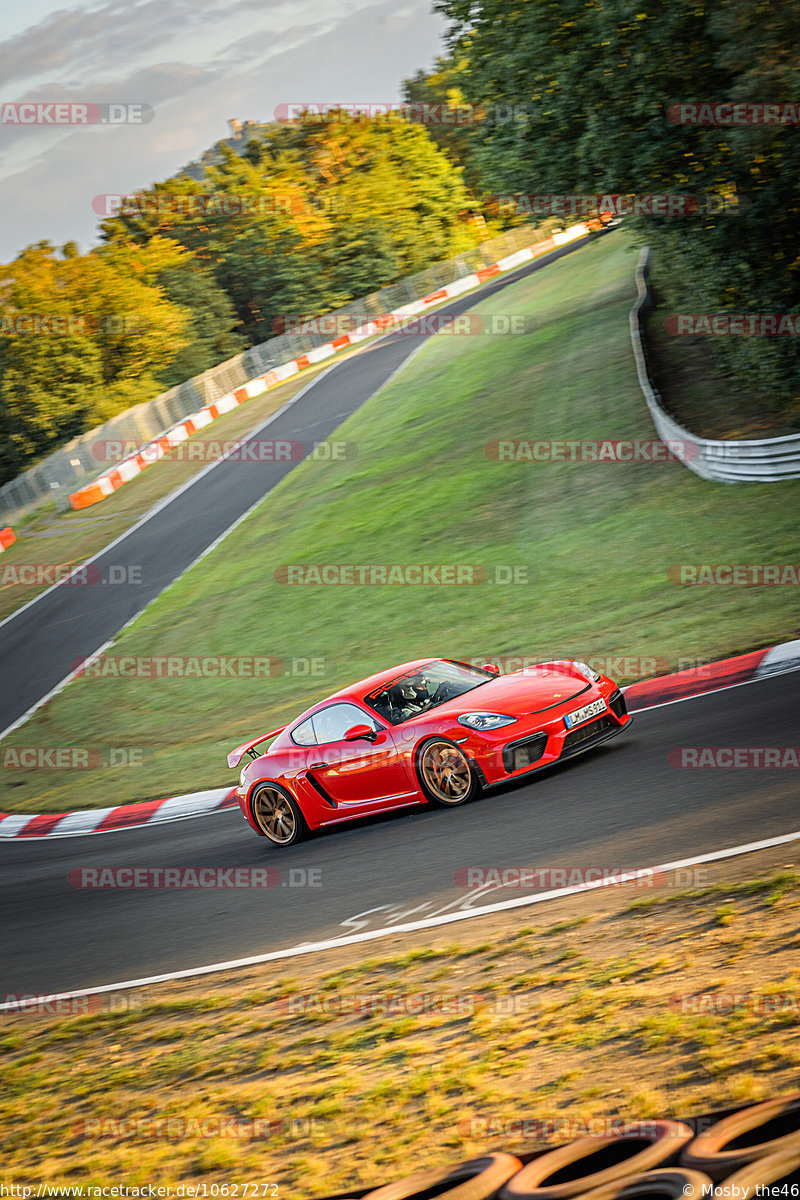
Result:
x=762 y=460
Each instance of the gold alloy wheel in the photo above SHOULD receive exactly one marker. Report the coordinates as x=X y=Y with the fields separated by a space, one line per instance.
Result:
x=445 y=772
x=275 y=815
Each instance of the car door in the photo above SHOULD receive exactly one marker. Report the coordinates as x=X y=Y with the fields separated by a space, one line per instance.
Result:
x=358 y=773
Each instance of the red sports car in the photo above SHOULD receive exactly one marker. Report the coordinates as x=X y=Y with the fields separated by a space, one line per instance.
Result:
x=432 y=731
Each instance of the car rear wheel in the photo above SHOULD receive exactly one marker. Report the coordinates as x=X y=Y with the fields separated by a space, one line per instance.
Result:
x=277 y=815
x=445 y=773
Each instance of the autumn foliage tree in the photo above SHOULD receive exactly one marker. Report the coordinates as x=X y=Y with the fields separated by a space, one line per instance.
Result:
x=312 y=216
x=315 y=214
x=83 y=337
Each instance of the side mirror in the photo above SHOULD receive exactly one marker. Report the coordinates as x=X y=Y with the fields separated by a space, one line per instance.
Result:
x=493 y=667
x=360 y=733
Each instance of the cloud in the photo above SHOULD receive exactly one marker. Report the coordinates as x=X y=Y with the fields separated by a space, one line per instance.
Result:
x=153 y=85
x=83 y=40
x=266 y=43
x=359 y=54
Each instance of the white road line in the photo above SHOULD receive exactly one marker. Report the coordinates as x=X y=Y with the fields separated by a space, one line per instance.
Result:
x=413 y=926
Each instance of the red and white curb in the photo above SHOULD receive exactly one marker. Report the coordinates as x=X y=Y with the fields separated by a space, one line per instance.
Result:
x=109 y=820
x=116 y=477
x=713 y=677
x=648 y=693
x=7 y=538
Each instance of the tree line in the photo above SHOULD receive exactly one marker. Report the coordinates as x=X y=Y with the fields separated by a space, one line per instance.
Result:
x=640 y=97
x=311 y=216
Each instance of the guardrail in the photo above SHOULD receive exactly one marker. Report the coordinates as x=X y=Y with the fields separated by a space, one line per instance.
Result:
x=762 y=460
x=74 y=466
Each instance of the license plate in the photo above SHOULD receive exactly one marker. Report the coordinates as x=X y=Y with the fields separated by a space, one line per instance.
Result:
x=584 y=714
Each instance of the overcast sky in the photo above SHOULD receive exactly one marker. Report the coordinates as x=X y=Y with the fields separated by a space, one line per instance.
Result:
x=195 y=63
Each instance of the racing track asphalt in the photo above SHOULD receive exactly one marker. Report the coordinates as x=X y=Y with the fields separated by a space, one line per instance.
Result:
x=621 y=806
x=40 y=644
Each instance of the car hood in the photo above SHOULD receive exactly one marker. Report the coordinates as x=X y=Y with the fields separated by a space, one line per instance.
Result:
x=518 y=694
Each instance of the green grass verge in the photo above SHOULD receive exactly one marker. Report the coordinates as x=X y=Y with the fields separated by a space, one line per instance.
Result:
x=597 y=541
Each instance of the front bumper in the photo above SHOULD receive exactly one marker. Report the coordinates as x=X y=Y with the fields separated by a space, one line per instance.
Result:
x=547 y=745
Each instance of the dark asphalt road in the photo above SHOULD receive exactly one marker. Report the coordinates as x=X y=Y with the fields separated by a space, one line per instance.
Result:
x=38 y=646
x=621 y=806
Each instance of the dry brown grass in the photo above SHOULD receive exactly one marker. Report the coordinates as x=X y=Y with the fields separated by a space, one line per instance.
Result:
x=568 y=1020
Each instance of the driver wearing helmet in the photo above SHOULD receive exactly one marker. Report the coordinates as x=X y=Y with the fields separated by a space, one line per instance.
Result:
x=408 y=698
x=415 y=691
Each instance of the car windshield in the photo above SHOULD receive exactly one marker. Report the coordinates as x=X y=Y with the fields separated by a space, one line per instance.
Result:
x=417 y=691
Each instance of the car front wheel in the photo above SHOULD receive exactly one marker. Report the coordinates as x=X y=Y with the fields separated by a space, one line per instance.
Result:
x=445 y=773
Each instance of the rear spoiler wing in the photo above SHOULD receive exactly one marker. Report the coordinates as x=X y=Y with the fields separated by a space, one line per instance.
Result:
x=236 y=756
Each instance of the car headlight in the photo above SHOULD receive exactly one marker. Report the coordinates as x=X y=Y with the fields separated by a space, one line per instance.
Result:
x=586 y=671
x=485 y=720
